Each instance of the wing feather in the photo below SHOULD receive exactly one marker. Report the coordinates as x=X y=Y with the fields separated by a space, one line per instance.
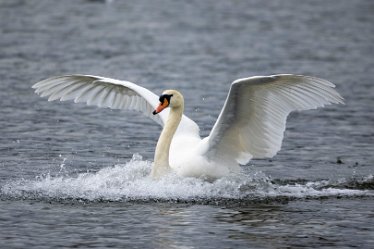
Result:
x=102 y=92
x=253 y=119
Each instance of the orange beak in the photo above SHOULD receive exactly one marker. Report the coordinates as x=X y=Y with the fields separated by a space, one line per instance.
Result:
x=161 y=107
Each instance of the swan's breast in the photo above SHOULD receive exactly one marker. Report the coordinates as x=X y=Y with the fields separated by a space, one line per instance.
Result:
x=187 y=159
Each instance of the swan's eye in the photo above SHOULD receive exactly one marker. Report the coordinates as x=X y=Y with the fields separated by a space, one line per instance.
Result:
x=165 y=96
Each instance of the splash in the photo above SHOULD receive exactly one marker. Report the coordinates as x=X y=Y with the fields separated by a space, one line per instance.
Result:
x=131 y=182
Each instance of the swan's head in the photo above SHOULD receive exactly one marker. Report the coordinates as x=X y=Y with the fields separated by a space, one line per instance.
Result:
x=169 y=98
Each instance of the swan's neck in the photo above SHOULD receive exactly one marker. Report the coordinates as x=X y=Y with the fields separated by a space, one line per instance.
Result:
x=161 y=162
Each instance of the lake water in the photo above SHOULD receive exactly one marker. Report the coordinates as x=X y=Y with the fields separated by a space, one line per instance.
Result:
x=77 y=177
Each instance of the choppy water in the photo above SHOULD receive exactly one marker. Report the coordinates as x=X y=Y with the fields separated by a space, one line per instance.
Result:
x=77 y=176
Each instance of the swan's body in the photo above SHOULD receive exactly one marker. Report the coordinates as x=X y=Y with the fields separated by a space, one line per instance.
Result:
x=250 y=125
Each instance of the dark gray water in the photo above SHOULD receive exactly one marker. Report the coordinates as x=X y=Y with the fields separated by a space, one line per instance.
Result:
x=76 y=176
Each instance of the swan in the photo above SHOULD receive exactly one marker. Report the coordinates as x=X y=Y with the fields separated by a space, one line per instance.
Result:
x=251 y=123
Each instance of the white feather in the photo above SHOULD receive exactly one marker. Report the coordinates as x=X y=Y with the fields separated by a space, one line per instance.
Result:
x=102 y=92
x=253 y=119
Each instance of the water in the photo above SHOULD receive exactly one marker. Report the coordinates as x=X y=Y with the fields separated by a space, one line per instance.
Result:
x=77 y=176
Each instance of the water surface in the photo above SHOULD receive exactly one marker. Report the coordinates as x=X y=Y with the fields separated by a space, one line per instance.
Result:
x=77 y=176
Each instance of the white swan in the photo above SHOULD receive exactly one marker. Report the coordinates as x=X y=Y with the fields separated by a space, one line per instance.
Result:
x=251 y=123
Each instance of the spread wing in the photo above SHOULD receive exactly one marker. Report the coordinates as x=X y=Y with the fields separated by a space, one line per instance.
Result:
x=102 y=92
x=253 y=119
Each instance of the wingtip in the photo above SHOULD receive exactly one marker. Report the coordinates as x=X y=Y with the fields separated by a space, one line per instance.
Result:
x=339 y=98
x=37 y=84
x=341 y=101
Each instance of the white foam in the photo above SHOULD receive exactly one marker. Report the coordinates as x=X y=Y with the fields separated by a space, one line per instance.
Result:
x=131 y=181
